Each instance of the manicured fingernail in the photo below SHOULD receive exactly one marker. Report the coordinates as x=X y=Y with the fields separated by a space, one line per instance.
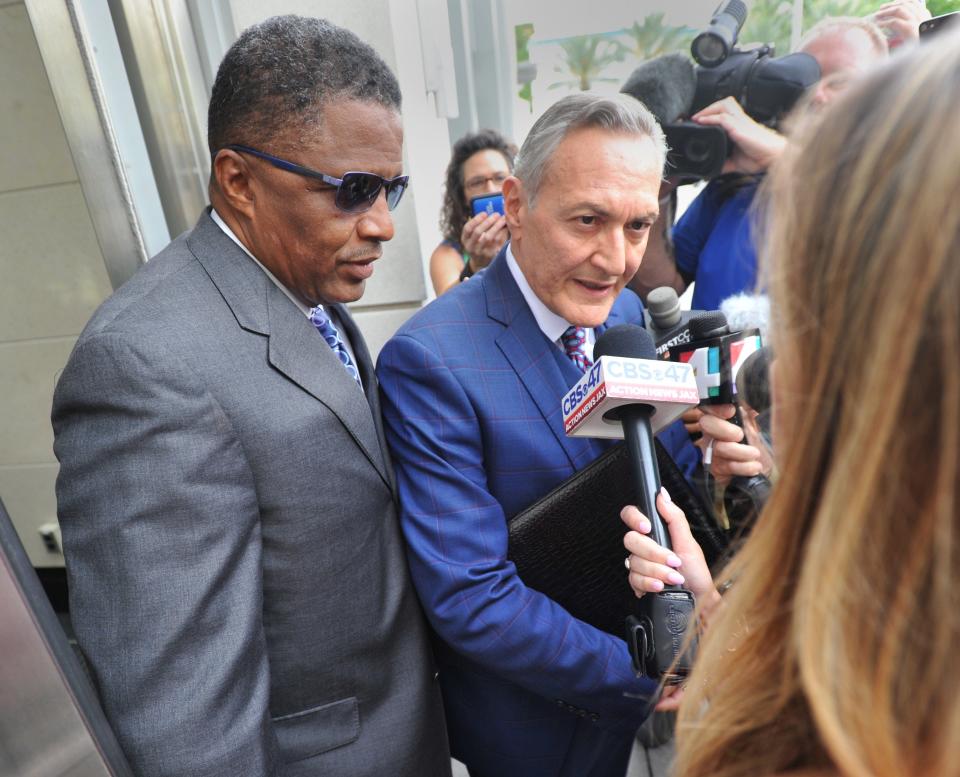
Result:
x=666 y=494
x=675 y=578
x=645 y=526
x=657 y=585
x=674 y=561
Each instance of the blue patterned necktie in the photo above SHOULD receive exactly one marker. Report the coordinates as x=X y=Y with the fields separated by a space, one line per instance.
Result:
x=574 y=340
x=324 y=325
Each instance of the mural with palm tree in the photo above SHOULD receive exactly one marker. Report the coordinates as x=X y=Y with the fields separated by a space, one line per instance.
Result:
x=585 y=58
x=769 y=21
x=814 y=11
x=940 y=7
x=652 y=38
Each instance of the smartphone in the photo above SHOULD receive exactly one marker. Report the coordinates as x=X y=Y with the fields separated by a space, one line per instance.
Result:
x=489 y=203
x=938 y=23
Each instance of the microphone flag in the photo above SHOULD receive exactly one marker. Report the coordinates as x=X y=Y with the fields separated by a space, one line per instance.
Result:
x=668 y=388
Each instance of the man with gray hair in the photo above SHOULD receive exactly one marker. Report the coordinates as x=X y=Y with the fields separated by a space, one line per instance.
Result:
x=237 y=578
x=472 y=388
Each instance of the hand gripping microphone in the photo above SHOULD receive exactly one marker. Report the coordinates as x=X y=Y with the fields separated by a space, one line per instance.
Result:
x=717 y=356
x=655 y=637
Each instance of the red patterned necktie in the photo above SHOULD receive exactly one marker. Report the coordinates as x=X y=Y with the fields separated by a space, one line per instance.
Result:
x=574 y=340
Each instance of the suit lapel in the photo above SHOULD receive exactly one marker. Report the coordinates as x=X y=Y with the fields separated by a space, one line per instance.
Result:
x=371 y=387
x=298 y=351
x=295 y=348
x=543 y=369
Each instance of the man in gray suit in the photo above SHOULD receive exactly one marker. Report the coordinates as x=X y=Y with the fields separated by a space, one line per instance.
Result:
x=237 y=576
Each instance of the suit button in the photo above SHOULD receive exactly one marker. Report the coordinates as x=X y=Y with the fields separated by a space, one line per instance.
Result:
x=582 y=713
x=561 y=703
x=594 y=717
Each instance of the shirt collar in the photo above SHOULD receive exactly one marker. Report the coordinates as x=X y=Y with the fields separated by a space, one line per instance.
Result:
x=552 y=325
x=229 y=233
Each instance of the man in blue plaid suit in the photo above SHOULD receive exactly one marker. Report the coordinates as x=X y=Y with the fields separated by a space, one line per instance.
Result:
x=472 y=387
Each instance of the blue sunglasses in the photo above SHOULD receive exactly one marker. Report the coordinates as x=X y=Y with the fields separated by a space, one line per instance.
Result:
x=356 y=192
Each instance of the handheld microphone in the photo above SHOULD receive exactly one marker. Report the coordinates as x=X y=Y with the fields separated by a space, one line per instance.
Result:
x=753 y=381
x=663 y=305
x=669 y=325
x=744 y=497
x=666 y=388
x=656 y=636
x=716 y=355
x=746 y=313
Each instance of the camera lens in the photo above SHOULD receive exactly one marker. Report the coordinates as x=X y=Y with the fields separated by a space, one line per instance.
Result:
x=696 y=150
x=709 y=49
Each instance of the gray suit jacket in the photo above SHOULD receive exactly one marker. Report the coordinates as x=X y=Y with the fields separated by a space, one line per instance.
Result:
x=236 y=570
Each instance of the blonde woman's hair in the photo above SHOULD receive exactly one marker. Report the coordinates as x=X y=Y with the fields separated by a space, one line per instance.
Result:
x=839 y=643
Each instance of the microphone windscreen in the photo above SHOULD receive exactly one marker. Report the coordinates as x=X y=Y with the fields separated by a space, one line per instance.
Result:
x=712 y=323
x=753 y=380
x=747 y=311
x=666 y=85
x=626 y=340
x=663 y=305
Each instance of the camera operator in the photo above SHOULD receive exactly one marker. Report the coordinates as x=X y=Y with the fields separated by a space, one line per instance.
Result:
x=712 y=243
x=845 y=48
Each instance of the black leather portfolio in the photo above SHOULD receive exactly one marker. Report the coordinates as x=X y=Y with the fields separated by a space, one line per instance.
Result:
x=569 y=544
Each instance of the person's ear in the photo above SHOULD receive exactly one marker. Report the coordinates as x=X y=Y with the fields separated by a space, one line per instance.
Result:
x=234 y=182
x=514 y=205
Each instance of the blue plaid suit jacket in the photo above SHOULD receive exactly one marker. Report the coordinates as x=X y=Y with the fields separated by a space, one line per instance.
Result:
x=471 y=399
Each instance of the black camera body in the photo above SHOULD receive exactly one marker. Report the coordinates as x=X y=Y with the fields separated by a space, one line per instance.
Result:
x=695 y=152
x=766 y=87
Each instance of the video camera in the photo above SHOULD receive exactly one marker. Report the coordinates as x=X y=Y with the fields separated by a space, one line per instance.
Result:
x=674 y=89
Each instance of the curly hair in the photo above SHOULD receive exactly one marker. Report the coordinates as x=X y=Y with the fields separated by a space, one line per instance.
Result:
x=453 y=214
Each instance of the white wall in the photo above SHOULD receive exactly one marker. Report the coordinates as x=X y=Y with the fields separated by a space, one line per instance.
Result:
x=52 y=267
x=399 y=284
x=53 y=276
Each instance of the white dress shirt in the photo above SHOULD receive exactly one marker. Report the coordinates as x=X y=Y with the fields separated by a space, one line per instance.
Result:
x=300 y=306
